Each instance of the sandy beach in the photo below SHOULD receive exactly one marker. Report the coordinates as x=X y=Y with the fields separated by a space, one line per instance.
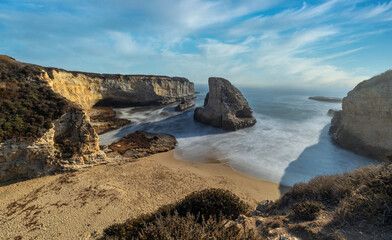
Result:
x=81 y=204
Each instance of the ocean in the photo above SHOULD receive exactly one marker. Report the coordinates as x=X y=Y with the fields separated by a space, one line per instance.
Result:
x=289 y=143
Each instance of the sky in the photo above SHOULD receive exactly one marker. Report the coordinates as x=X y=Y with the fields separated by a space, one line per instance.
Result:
x=329 y=43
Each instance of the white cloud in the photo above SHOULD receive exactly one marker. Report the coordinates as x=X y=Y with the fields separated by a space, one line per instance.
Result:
x=125 y=44
x=291 y=18
x=375 y=11
x=215 y=49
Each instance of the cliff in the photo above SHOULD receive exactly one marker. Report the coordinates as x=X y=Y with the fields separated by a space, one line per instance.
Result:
x=70 y=144
x=89 y=89
x=225 y=107
x=365 y=123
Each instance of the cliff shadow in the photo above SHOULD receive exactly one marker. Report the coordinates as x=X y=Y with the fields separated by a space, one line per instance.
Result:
x=181 y=126
x=322 y=158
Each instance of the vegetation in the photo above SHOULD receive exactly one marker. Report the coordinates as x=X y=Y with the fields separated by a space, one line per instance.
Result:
x=355 y=205
x=306 y=210
x=27 y=106
x=200 y=215
x=362 y=195
x=361 y=199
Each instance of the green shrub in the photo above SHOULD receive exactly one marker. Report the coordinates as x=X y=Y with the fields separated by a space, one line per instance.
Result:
x=193 y=212
x=307 y=211
x=212 y=203
x=48 y=125
x=27 y=109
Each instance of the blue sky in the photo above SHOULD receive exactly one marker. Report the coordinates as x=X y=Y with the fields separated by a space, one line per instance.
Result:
x=250 y=42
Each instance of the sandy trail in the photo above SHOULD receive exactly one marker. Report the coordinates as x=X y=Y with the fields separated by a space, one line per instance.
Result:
x=80 y=205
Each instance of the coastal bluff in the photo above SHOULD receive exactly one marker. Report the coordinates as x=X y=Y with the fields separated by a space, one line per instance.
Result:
x=224 y=107
x=45 y=125
x=89 y=89
x=365 y=123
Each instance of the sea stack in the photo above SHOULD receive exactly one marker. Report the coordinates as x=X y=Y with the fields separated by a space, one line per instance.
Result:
x=365 y=123
x=224 y=107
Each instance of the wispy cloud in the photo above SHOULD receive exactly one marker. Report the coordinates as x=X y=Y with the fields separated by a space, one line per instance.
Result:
x=380 y=10
x=258 y=42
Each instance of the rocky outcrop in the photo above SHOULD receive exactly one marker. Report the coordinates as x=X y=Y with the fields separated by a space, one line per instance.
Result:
x=70 y=144
x=140 y=144
x=326 y=99
x=184 y=105
x=365 y=123
x=225 y=107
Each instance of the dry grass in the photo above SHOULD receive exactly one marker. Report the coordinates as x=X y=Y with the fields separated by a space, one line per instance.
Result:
x=337 y=207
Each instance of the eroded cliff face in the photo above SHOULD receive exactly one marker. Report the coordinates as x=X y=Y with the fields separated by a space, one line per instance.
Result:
x=69 y=145
x=365 y=123
x=89 y=89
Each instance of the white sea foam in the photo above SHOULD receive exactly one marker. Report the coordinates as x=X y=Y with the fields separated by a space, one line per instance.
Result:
x=289 y=143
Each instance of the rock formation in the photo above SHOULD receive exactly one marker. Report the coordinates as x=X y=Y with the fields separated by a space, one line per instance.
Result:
x=70 y=144
x=326 y=99
x=184 y=105
x=140 y=144
x=225 y=107
x=365 y=123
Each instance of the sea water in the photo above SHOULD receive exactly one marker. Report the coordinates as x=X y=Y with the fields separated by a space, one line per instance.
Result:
x=288 y=144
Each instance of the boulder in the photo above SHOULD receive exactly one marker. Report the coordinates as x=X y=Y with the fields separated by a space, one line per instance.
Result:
x=184 y=105
x=225 y=107
x=365 y=123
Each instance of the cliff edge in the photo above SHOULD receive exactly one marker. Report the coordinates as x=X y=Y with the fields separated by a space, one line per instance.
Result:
x=365 y=123
x=89 y=89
